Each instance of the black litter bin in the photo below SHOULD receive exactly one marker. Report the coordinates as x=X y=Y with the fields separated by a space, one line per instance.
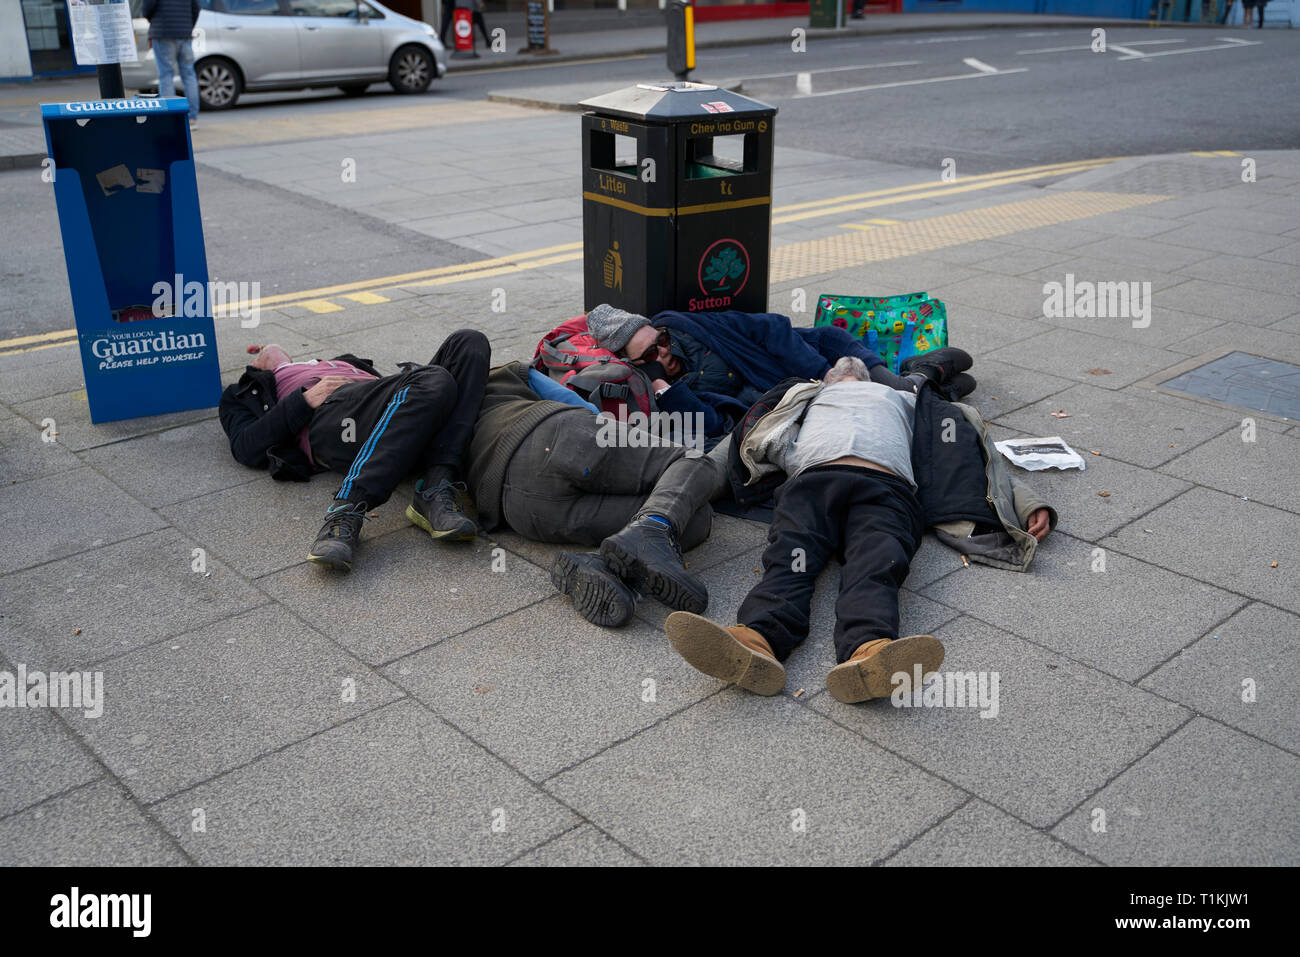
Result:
x=676 y=199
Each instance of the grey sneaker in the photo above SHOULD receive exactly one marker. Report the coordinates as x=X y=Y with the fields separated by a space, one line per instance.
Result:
x=339 y=536
x=438 y=511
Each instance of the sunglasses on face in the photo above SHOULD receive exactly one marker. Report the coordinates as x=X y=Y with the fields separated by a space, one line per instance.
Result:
x=651 y=354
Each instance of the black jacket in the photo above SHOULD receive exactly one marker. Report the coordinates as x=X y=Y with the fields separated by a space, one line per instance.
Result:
x=263 y=433
x=950 y=464
x=171 y=19
x=737 y=475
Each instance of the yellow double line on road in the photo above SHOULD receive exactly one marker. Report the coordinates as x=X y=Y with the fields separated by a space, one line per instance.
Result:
x=318 y=300
x=480 y=268
x=907 y=194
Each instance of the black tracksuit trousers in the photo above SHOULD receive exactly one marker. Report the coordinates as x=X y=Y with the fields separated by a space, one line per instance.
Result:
x=871 y=520
x=405 y=424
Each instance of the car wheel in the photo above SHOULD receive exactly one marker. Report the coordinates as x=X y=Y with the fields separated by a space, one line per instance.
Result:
x=411 y=70
x=355 y=89
x=219 y=83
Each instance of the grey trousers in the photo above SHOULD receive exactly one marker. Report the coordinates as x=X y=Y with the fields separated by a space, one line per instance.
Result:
x=563 y=486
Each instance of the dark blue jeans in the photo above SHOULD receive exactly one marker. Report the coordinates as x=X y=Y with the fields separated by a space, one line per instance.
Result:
x=168 y=54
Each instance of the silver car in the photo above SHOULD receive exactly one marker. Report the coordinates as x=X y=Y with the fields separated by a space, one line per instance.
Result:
x=255 y=45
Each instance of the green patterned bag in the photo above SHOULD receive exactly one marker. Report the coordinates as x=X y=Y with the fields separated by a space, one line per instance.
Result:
x=894 y=327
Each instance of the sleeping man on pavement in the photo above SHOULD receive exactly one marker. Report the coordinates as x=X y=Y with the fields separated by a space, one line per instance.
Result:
x=869 y=469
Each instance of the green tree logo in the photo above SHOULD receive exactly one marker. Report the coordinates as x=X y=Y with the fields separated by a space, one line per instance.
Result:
x=724 y=266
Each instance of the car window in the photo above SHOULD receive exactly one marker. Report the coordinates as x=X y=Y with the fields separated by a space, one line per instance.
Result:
x=323 y=8
x=374 y=12
x=253 y=7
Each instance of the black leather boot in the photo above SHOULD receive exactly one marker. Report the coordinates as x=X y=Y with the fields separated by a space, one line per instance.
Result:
x=938 y=364
x=646 y=555
x=956 y=387
x=597 y=593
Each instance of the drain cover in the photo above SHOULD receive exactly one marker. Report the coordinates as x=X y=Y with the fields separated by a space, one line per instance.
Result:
x=1246 y=381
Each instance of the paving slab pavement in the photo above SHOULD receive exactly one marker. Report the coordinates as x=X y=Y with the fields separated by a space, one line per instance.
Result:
x=480 y=697
x=397 y=786
x=1057 y=731
x=92 y=826
x=979 y=831
x=752 y=781
x=1222 y=791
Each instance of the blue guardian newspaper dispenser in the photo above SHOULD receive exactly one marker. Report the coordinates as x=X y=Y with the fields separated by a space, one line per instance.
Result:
x=128 y=208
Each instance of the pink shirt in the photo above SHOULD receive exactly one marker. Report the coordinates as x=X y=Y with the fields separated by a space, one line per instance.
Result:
x=303 y=375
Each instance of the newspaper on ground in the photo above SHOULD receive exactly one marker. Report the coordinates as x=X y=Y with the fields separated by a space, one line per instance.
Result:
x=1035 y=455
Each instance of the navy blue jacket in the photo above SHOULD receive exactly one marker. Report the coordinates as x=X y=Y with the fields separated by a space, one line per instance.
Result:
x=171 y=19
x=762 y=347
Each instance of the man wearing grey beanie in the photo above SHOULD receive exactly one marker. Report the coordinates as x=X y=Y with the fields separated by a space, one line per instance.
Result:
x=613 y=327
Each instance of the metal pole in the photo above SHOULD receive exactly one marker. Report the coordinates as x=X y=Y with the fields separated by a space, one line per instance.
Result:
x=110 y=81
x=680 y=17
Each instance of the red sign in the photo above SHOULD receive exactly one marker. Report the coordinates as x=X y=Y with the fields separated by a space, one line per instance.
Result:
x=463 y=28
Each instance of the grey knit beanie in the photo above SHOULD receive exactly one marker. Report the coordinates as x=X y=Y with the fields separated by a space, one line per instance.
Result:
x=613 y=328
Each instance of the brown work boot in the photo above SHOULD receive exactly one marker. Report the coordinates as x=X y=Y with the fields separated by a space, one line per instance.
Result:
x=736 y=654
x=870 y=669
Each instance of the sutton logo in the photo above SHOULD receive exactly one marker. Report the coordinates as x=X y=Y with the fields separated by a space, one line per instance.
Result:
x=722 y=273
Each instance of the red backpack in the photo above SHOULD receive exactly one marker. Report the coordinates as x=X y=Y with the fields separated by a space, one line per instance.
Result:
x=570 y=355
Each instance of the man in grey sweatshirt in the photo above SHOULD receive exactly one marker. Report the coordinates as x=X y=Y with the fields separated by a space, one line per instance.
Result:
x=850 y=490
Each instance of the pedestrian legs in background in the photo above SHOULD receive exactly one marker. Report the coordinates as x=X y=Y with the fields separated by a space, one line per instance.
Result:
x=170 y=54
x=448 y=7
x=481 y=24
x=448 y=14
x=189 y=79
x=164 y=53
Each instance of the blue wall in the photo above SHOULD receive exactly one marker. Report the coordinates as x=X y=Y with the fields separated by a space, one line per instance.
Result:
x=1135 y=9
